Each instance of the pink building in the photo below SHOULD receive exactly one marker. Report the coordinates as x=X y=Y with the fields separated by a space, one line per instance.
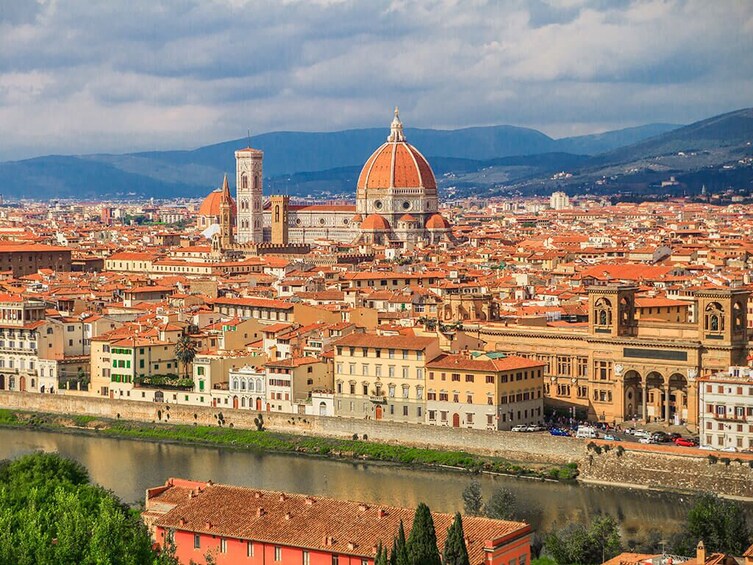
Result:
x=241 y=525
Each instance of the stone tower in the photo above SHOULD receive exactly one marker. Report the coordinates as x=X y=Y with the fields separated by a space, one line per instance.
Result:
x=279 y=208
x=248 y=178
x=226 y=216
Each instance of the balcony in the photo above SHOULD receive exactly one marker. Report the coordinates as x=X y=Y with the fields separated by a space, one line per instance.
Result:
x=378 y=399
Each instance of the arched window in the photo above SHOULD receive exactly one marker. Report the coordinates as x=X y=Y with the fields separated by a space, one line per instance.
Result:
x=251 y=386
x=737 y=316
x=603 y=312
x=277 y=213
x=714 y=317
x=235 y=384
x=244 y=180
x=256 y=181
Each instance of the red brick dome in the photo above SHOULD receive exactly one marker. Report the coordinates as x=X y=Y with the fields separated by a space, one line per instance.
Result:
x=375 y=222
x=211 y=204
x=396 y=164
x=437 y=222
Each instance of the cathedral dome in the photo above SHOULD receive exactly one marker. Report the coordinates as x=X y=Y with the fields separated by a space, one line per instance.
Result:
x=437 y=222
x=396 y=164
x=211 y=205
x=375 y=222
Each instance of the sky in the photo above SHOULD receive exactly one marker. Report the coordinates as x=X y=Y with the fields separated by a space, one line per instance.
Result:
x=78 y=76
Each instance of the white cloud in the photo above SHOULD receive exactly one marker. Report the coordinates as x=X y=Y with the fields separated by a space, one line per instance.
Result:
x=79 y=76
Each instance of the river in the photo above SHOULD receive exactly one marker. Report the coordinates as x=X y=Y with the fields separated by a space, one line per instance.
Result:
x=128 y=467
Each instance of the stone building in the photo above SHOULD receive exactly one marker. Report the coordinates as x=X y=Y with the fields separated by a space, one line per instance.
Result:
x=621 y=368
x=27 y=258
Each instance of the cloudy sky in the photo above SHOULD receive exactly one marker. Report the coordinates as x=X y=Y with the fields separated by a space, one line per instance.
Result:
x=80 y=76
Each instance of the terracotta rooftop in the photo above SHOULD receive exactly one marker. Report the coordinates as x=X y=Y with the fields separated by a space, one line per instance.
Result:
x=346 y=527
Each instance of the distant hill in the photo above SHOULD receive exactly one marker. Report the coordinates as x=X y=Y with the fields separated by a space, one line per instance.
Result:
x=726 y=133
x=313 y=163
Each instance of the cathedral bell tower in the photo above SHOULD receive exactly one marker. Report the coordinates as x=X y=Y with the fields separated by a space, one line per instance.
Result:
x=248 y=179
x=226 y=216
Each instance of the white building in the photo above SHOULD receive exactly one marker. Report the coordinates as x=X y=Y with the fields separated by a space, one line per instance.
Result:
x=559 y=201
x=726 y=409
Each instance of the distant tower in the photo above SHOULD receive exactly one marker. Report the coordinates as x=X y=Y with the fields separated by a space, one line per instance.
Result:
x=248 y=182
x=226 y=216
x=279 y=209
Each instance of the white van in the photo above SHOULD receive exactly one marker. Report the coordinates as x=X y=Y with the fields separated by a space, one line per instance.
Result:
x=586 y=432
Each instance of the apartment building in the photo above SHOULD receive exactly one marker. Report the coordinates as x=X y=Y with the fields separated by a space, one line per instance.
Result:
x=290 y=382
x=726 y=405
x=382 y=376
x=487 y=392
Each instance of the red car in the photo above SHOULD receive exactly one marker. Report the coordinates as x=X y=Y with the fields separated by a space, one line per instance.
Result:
x=684 y=442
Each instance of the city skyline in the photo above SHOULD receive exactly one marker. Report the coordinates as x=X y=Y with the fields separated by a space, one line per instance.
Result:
x=119 y=77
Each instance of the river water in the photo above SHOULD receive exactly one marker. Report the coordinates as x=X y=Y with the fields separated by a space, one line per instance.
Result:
x=129 y=467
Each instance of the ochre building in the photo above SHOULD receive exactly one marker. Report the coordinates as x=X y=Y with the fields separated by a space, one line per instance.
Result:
x=621 y=367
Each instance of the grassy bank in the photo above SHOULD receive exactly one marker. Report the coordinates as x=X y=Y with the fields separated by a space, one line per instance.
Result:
x=358 y=449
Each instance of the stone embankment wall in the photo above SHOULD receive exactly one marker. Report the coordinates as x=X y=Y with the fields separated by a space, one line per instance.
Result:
x=639 y=466
x=726 y=474
x=523 y=447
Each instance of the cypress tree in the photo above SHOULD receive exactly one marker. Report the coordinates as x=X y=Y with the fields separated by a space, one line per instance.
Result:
x=381 y=555
x=393 y=554
x=422 y=542
x=455 y=551
x=400 y=548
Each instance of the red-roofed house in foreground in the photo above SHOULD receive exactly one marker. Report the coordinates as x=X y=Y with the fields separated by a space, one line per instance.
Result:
x=241 y=525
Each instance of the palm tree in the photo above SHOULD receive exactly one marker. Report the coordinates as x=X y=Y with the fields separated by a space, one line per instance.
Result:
x=185 y=352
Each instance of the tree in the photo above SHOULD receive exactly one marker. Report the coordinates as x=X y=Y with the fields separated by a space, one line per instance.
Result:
x=422 y=542
x=473 y=503
x=502 y=505
x=576 y=544
x=455 y=551
x=720 y=523
x=400 y=548
x=50 y=513
x=381 y=555
x=185 y=352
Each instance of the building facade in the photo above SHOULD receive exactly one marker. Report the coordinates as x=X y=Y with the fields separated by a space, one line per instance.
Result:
x=237 y=525
x=726 y=409
x=620 y=368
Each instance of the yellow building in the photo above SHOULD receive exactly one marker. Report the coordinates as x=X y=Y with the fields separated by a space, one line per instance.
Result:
x=382 y=376
x=486 y=392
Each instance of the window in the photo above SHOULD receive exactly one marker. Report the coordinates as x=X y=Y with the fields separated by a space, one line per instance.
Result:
x=306 y=559
x=278 y=553
x=469 y=378
x=196 y=541
x=405 y=373
x=456 y=377
x=365 y=369
x=335 y=558
x=391 y=353
x=490 y=379
x=223 y=545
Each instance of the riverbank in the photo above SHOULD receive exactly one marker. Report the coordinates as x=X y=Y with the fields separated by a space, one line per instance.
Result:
x=360 y=448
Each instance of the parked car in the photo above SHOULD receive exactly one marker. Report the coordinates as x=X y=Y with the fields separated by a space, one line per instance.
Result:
x=630 y=431
x=661 y=437
x=707 y=448
x=641 y=434
x=559 y=432
x=730 y=449
x=611 y=437
x=519 y=428
x=646 y=440
x=674 y=435
x=535 y=428
x=586 y=432
x=685 y=442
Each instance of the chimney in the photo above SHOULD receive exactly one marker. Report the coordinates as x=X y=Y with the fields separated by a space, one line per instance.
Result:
x=283 y=497
x=208 y=525
x=257 y=494
x=190 y=494
x=259 y=512
x=700 y=553
x=363 y=507
x=182 y=521
x=309 y=501
x=351 y=545
x=381 y=513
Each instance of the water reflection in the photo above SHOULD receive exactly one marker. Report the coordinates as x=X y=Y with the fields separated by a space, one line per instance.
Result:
x=128 y=467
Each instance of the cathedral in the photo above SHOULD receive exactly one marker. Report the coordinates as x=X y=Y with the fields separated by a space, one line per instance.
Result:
x=396 y=204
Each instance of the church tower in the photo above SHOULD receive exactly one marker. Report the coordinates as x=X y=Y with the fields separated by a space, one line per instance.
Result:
x=226 y=216
x=248 y=179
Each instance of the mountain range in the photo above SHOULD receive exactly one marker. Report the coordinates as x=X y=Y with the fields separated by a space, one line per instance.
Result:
x=327 y=164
